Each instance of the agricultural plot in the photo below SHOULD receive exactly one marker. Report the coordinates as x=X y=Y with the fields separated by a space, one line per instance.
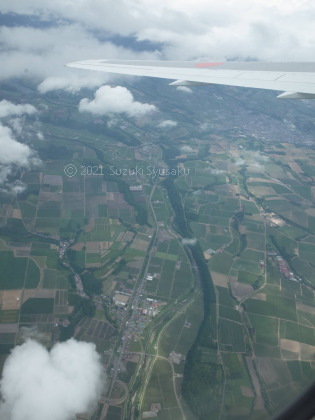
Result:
x=171 y=335
x=38 y=306
x=54 y=280
x=251 y=226
x=265 y=329
x=221 y=263
x=297 y=332
x=17 y=273
x=9 y=317
x=304 y=269
x=61 y=302
x=229 y=313
x=47 y=225
x=49 y=209
x=171 y=271
x=97 y=332
x=277 y=380
x=253 y=255
x=302 y=373
x=180 y=333
x=255 y=241
x=159 y=204
x=100 y=230
x=28 y=210
x=231 y=336
x=225 y=297
x=239 y=395
x=277 y=306
x=160 y=390
x=234 y=246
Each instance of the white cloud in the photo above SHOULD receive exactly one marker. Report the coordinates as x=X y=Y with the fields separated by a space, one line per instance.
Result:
x=184 y=89
x=167 y=124
x=264 y=29
x=188 y=241
x=204 y=126
x=41 y=53
x=114 y=100
x=73 y=83
x=56 y=385
x=8 y=108
x=271 y=30
x=16 y=124
x=240 y=162
x=14 y=154
x=217 y=171
x=257 y=156
x=256 y=165
x=186 y=149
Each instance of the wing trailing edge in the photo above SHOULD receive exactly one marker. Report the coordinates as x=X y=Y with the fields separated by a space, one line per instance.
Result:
x=295 y=80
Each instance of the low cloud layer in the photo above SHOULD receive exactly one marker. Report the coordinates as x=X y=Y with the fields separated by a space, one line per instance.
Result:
x=186 y=149
x=188 y=241
x=217 y=171
x=257 y=156
x=73 y=83
x=263 y=29
x=184 y=89
x=56 y=385
x=38 y=38
x=255 y=159
x=14 y=154
x=8 y=108
x=114 y=100
x=167 y=124
x=240 y=162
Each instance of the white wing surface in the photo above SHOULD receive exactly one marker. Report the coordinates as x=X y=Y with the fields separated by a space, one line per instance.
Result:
x=295 y=80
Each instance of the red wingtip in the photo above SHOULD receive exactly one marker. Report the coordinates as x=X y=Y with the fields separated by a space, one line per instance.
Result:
x=208 y=64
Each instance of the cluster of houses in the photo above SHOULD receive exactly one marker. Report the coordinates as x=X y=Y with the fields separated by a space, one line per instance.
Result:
x=283 y=267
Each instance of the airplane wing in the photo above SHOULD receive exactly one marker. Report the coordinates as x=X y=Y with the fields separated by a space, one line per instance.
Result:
x=296 y=80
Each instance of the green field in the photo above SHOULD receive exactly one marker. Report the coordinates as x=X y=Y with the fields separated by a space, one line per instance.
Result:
x=247 y=278
x=100 y=231
x=231 y=335
x=160 y=390
x=225 y=297
x=166 y=256
x=297 y=332
x=277 y=306
x=38 y=306
x=53 y=280
x=265 y=329
x=180 y=334
x=236 y=405
x=13 y=272
x=32 y=275
x=221 y=263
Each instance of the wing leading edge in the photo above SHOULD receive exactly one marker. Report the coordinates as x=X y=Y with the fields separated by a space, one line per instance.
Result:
x=296 y=80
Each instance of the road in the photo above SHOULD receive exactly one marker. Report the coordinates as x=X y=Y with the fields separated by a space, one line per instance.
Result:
x=126 y=328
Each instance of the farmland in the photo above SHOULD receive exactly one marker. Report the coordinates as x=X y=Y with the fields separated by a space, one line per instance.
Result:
x=197 y=289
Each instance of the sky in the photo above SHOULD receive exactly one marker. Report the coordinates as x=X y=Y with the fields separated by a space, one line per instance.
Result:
x=38 y=36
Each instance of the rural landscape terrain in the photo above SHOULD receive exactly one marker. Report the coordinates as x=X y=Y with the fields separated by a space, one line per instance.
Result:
x=181 y=243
